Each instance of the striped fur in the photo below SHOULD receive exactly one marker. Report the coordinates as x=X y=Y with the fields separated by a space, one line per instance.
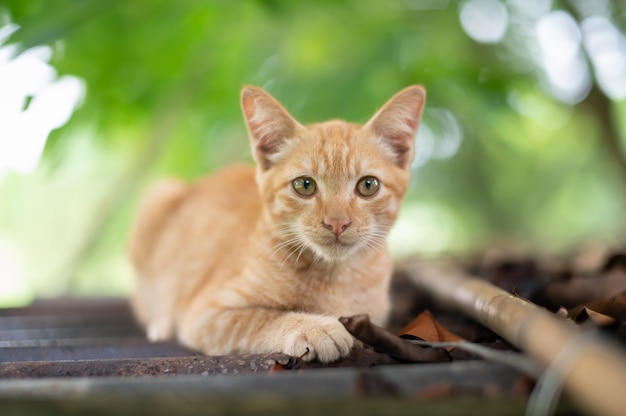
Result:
x=239 y=262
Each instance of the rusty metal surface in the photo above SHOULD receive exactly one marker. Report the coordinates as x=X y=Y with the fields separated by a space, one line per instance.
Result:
x=71 y=329
x=177 y=361
x=48 y=336
x=113 y=350
x=395 y=390
x=67 y=323
x=89 y=357
x=169 y=366
x=402 y=380
x=63 y=330
x=99 y=337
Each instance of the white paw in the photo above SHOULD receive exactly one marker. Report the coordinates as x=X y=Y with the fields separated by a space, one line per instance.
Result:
x=325 y=338
x=161 y=330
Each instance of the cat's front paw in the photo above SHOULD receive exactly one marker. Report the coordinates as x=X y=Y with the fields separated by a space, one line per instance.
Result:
x=325 y=338
x=160 y=330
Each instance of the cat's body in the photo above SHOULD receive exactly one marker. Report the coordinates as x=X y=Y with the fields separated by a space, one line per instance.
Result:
x=265 y=260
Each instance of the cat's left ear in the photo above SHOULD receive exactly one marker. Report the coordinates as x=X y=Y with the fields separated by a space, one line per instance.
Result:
x=395 y=124
x=269 y=124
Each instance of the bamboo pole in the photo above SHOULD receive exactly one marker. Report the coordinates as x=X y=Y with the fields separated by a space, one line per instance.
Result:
x=590 y=369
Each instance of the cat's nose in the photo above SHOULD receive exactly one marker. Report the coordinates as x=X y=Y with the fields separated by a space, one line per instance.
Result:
x=336 y=225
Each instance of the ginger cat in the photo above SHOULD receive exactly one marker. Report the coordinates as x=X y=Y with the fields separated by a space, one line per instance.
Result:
x=266 y=260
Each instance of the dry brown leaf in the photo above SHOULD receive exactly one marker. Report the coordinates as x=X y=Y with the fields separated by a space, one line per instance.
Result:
x=365 y=331
x=426 y=327
x=599 y=318
x=602 y=313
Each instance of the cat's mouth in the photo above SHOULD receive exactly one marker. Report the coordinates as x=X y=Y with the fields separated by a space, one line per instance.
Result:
x=338 y=241
x=337 y=248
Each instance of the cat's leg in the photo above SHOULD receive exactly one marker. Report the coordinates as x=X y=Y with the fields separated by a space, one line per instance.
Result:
x=261 y=331
x=156 y=317
x=153 y=303
x=155 y=210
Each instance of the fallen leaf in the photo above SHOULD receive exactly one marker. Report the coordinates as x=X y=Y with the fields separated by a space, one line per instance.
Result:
x=603 y=313
x=362 y=329
x=600 y=318
x=426 y=327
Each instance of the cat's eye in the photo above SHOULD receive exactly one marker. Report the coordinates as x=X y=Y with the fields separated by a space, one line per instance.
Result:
x=367 y=186
x=304 y=186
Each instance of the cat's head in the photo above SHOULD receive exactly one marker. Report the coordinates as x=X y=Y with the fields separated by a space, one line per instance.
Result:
x=332 y=188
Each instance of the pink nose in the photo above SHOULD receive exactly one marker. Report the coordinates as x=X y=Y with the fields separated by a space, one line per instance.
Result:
x=336 y=225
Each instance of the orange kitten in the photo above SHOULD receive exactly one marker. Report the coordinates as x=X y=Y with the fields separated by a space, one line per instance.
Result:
x=265 y=260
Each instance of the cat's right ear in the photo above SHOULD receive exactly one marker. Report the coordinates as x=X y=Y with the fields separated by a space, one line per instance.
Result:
x=395 y=124
x=269 y=124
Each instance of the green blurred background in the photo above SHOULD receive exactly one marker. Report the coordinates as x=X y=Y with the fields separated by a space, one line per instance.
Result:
x=521 y=144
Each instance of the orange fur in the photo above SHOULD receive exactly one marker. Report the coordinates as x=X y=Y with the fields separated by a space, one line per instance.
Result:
x=240 y=262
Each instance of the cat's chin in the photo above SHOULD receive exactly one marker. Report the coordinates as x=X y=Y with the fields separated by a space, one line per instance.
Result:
x=336 y=251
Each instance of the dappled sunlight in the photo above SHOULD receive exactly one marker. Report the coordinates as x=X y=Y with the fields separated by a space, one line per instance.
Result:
x=561 y=57
x=34 y=101
x=606 y=47
x=530 y=9
x=40 y=241
x=425 y=228
x=23 y=134
x=439 y=136
x=485 y=21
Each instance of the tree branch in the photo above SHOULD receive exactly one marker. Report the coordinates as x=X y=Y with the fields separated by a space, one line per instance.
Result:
x=592 y=371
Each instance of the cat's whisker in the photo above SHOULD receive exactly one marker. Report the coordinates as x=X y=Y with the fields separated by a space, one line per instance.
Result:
x=284 y=234
x=285 y=250
x=292 y=243
x=377 y=240
x=287 y=238
x=294 y=248
x=300 y=250
x=317 y=258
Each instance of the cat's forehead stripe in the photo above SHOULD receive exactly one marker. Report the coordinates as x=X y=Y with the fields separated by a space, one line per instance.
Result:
x=334 y=150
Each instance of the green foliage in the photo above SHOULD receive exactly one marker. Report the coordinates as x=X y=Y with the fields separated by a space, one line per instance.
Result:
x=163 y=81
